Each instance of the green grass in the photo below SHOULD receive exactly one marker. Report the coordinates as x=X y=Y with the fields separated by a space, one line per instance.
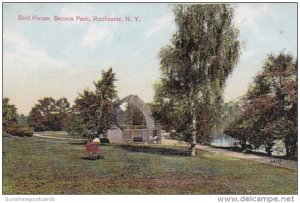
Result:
x=55 y=134
x=44 y=166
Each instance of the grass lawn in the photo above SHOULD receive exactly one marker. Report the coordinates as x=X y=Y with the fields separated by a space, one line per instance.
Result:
x=58 y=134
x=43 y=166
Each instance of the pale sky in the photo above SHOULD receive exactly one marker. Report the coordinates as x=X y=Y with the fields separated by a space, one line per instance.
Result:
x=60 y=59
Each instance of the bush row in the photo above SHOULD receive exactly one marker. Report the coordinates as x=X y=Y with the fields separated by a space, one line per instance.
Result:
x=18 y=130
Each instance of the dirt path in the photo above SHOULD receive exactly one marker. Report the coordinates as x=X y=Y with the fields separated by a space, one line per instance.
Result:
x=290 y=164
x=55 y=138
x=261 y=159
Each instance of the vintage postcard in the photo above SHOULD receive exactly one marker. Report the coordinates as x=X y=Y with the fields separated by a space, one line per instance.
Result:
x=150 y=98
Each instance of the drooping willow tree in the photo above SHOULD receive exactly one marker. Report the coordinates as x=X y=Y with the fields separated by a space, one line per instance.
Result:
x=194 y=67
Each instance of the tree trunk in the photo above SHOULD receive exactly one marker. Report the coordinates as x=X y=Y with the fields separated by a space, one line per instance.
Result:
x=287 y=150
x=193 y=140
x=193 y=146
x=269 y=147
x=293 y=152
x=268 y=150
x=291 y=149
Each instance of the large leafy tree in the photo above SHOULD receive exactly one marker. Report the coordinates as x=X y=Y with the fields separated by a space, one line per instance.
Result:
x=280 y=74
x=203 y=52
x=163 y=109
x=270 y=107
x=60 y=116
x=40 y=114
x=96 y=109
x=49 y=114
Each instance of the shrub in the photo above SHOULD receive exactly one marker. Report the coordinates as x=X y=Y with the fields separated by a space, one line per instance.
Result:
x=17 y=130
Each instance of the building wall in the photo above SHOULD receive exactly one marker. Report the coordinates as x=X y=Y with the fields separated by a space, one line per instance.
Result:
x=115 y=135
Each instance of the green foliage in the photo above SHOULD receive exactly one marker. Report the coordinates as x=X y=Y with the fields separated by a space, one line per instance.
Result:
x=203 y=52
x=10 y=121
x=22 y=120
x=74 y=125
x=270 y=107
x=96 y=109
x=17 y=130
x=240 y=129
x=230 y=111
x=49 y=114
x=9 y=113
x=163 y=109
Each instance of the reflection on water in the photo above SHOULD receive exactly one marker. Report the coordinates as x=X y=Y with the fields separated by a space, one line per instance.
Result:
x=222 y=140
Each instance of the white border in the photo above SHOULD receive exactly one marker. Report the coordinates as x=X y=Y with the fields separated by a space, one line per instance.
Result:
x=139 y=198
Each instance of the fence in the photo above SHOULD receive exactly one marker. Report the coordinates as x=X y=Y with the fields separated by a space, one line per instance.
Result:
x=142 y=135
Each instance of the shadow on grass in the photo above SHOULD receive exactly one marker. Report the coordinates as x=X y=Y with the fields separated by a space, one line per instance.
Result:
x=92 y=158
x=154 y=150
x=82 y=144
x=76 y=143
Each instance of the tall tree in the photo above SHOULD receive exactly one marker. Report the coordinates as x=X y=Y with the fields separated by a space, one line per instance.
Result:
x=97 y=108
x=203 y=52
x=270 y=107
x=280 y=74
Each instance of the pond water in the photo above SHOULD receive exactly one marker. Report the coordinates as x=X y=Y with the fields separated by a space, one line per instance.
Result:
x=222 y=140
